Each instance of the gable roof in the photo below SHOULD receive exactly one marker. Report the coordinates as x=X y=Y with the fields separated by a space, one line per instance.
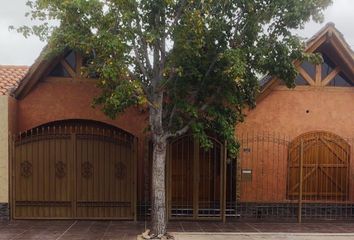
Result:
x=328 y=38
x=10 y=77
x=34 y=73
x=328 y=35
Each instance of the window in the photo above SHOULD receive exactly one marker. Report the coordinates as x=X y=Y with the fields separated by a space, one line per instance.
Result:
x=327 y=66
x=59 y=71
x=309 y=68
x=340 y=80
x=71 y=60
x=300 y=81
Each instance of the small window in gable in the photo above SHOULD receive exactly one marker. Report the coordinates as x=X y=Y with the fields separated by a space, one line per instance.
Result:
x=327 y=66
x=300 y=81
x=71 y=60
x=59 y=71
x=340 y=80
x=309 y=68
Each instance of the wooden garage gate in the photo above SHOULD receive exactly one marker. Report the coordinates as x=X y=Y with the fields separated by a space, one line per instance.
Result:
x=320 y=160
x=74 y=170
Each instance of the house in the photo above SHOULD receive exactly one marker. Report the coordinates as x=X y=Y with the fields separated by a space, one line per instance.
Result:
x=68 y=160
x=303 y=133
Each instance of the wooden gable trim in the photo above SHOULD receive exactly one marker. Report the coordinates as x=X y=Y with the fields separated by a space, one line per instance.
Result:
x=68 y=68
x=43 y=67
x=309 y=49
x=305 y=75
x=343 y=53
x=318 y=76
x=330 y=76
x=31 y=79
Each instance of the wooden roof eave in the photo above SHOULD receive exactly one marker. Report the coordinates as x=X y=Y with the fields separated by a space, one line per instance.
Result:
x=36 y=72
x=30 y=79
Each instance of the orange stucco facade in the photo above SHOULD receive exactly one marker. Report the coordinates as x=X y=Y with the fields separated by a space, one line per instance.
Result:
x=277 y=120
x=59 y=100
x=303 y=109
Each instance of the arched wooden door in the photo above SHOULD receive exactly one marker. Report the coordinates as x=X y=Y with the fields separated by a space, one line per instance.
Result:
x=74 y=170
x=325 y=167
x=195 y=179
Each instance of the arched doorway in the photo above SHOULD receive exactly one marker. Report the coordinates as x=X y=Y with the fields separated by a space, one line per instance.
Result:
x=74 y=169
x=195 y=179
x=324 y=160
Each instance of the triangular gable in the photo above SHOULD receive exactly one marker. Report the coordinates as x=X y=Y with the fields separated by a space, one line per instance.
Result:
x=331 y=43
x=66 y=66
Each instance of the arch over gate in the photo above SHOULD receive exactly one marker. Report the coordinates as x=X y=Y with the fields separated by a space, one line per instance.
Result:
x=325 y=167
x=195 y=179
x=74 y=169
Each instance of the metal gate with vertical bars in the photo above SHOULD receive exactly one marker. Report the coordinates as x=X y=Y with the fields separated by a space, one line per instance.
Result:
x=196 y=179
x=74 y=170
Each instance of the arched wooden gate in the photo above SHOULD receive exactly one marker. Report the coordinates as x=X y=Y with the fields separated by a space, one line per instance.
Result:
x=196 y=179
x=324 y=168
x=74 y=170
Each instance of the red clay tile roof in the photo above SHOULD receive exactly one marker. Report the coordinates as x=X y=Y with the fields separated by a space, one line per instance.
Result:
x=10 y=77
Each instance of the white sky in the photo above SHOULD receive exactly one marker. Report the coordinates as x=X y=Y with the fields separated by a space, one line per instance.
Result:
x=16 y=50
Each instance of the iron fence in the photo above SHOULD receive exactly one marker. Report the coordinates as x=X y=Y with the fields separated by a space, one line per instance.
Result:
x=273 y=177
x=306 y=178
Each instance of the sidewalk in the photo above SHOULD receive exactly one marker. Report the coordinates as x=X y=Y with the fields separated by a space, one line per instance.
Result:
x=124 y=230
x=263 y=236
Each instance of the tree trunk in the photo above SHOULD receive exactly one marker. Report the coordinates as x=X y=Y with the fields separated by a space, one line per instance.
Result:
x=159 y=220
x=158 y=195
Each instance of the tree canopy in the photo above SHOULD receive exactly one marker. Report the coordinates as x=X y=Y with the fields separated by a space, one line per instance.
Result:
x=206 y=56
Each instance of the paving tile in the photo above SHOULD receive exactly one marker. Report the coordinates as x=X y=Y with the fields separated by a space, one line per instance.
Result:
x=124 y=230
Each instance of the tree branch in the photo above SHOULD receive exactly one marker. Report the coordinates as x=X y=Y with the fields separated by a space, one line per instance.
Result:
x=144 y=44
x=140 y=63
x=179 y=132
x=211 y=66
x=179 y=12
x=172 y=114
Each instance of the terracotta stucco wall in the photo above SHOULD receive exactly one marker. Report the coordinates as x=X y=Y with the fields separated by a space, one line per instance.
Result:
x=284 y=115
x=59 y=100
x=4 y=156
x=293 y=112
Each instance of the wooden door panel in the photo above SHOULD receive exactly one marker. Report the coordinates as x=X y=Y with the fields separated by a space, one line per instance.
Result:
x=325 y=167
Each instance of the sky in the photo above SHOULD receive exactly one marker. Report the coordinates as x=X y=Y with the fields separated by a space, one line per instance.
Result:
x=17 y=50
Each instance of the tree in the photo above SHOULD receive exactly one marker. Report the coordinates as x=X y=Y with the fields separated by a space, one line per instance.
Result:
x=193 y=63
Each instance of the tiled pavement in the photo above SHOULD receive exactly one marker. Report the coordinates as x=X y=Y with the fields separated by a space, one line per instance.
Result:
x=118 y=230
